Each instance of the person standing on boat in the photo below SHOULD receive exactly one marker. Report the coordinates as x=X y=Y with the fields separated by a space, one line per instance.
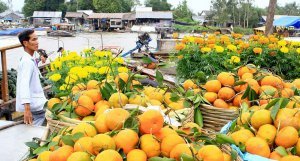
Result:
x=30 y=97
x=144 y=40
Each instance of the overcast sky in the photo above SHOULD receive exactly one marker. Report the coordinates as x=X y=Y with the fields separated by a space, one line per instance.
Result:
x=195 y=5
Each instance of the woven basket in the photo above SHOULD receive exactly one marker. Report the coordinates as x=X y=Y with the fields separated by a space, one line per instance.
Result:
x=215 y=118
x=56 y=125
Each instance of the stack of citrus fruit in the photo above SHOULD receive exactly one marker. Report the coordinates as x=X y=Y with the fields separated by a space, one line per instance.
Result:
x=228 y=89
x=109 y=140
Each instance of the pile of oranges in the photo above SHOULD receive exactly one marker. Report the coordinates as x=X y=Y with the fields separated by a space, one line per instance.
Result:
x=90 y=103
x=109 y=140
x=227 y=90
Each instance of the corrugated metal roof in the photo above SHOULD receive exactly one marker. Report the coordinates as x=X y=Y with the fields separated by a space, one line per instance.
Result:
x=44 y=14
x=7 y=12
x=107 y=15
x=129 y=16
x=155 y=14
x=75 y=14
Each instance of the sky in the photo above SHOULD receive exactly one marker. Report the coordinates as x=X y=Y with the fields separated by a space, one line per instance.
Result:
x=195 y=5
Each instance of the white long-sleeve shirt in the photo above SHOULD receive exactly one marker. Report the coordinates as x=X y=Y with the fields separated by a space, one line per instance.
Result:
x=29 y=88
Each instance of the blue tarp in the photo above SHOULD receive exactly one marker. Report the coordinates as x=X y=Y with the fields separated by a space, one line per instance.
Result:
x=287 y=21
x=16 y=31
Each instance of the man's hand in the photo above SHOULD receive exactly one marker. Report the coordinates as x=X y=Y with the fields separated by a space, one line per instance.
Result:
x=27 y=114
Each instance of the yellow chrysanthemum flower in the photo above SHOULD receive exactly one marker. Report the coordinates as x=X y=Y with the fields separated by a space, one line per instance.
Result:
x=205 y=50
x=90 y=69
x=298 y=50
x=71 y=78
x=55 y=77
x=284 y=49
x=63 y=87
x=123 y=70
x=235 y=59
x=282 y=43
x=104 y=70
x=219 y=49
x=119 y=60
x=232 y=48
x=82 y=74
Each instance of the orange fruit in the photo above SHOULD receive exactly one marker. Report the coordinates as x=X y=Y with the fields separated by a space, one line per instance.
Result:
x=85 y=106
x=298 y=147
x=244 y=118
x=243 y=70
x=163 y=132
x=109 y=155
x=288 y=85
x=126 y=139
x=94 y=94
x=287 y=137
x=51 y=102
x=100 y=124
x=78 y=87
x=258 y=146
x=275 y=156
x=221 y=104
x=261 y=117
x=242 y=136
x=290 y=158
x=213 y=86
x=287 y=93
x=169 y=142
x=296 y=83
x=61 y=154
x=118 y=100
x=237 y=101
x=123 y=76
x=102 y=142
x=252 y=83
x=101 y=107
x=272 y=81
x=226 y=93
x=138 y=100
x=79 y=156
x=92 y=84
x=188 y=127
x=268 y=92
x=189 y=84
x=85 y=128
x=226 y=79
x=287 y=117
x=151 y=122
x=247 y=76
x=210 y=96
x=177 y=105
x=267 y=132
x=150 y=145
x=180 y=149
x=136 y=155
x=167 y=98
x=115 y=118
x=44 y=156
x=210 y=153
x=84 y=144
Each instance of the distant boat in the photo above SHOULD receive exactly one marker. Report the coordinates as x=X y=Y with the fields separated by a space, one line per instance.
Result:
x=61 y=33
x=16 y=31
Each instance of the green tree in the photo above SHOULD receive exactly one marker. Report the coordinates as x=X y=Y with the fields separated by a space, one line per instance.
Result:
x=183 y=12
x=85 y=5
x=3 y=7
x=71 y=6
x=158 y=5
x=113 y=6
x=54 y=5
x=288 y=9
x=32 y=5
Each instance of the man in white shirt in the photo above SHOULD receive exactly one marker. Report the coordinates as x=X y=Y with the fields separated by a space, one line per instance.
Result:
x=30 y=97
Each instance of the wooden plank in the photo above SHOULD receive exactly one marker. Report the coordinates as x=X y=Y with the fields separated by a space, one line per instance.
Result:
x=4 y=86
x=11 y=46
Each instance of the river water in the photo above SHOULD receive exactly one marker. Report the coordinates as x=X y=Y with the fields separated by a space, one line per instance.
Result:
x=78 y=43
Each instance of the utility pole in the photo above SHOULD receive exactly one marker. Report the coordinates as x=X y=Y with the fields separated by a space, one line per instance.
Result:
x=270 y=17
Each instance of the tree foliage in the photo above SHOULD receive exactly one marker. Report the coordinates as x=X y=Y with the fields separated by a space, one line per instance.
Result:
x=182 y=11
x=158 y=5
x=288 y=9
x=33 y=5
x=3 y=6
x=113 y=6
